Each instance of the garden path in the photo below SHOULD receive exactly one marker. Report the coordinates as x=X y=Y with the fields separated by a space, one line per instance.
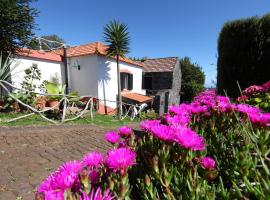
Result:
x=29 y=154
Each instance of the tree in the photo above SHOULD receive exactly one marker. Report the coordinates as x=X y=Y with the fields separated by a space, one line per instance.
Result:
x=17 y=21
x=47 y=42
x=192 y=79
x=117 y=38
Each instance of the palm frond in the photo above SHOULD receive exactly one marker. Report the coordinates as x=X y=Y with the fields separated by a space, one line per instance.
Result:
x=117 y=38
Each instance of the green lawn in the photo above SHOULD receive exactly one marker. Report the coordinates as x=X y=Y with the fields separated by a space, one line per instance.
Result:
x=36 y=120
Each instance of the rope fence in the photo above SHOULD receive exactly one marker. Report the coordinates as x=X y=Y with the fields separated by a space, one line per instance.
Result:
x=132 y=110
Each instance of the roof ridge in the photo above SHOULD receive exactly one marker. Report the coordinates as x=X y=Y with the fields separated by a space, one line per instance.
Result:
x=162 y=58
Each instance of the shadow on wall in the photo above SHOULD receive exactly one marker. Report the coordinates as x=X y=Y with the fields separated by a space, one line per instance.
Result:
x=104 y=78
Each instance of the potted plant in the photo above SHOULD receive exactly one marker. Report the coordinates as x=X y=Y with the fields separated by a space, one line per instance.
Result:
x=53 y=88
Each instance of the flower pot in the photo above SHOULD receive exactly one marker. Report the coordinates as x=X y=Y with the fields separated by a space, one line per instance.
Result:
x=53 y=103
x=2 y=103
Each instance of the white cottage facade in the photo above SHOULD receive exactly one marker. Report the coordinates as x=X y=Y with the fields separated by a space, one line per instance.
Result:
x=90 y=73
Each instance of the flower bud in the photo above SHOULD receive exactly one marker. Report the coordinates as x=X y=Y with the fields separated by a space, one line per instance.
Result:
x=147 y=180
x=40 y=196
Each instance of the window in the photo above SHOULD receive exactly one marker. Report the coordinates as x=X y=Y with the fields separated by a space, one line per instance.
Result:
x=126 y=81
x=147 y=82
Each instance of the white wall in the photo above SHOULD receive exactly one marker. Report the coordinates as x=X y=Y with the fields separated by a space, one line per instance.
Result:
x=84 y=80
x=107 y=79
x=48 y=69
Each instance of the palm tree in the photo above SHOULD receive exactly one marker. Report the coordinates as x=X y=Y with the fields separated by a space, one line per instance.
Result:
x=116 y=36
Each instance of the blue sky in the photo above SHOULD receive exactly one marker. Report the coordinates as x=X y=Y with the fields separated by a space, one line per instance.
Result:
x=158 y=28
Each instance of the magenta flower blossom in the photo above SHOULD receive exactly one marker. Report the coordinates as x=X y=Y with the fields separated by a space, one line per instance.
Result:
x=121 y=159
x=97 y=195
x=208 y=163
x=261 y=119
x=163 y=132
x=189 y=139
x=182 y=120
x=125 y=131
x=246 y=109
x=93 y=159
x=55 y=184
x=252 y=90
x=67 y=174
x=94 y=176
x=147 y=125
x=112 y=137
x=266 y=86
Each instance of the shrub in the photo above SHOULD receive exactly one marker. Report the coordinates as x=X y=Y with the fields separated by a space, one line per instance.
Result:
x=243 y=54
x=209 y=149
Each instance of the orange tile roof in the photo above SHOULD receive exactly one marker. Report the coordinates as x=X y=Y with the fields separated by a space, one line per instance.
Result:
x=137 y=97
x=40 y=54
x=93 y=48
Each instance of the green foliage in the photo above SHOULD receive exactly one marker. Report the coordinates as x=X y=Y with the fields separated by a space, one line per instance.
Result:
x=261 y=101
x=32 y=74
x=17 y=22
x=47 y=42
x=243 y=54
x=53 y=88
x=149 y=114
x=192 y=79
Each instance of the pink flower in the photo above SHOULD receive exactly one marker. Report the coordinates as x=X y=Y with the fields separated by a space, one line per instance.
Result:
x=97 y=195
x=266 y=86
x=178 y=119
x=67 y=174
x=121 y=159
x=189 y=139
x=94 y=159
x=252 y=90
x=55 y=184
x=261 y=119
x=112 y=137
x=94 y=176
x=163 y=132
x=147 y=125
x=208 y=163
x=125 y=131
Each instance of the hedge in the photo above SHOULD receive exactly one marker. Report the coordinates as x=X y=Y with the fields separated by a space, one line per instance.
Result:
x=243 y=54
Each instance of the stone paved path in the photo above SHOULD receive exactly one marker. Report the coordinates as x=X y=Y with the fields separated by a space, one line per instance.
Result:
x=29 y=154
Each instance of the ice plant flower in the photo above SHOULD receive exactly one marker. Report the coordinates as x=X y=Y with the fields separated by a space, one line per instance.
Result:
x=120 y=159
x=67 y=174
x=261 y=119
x=93 y=159
x=112 y=137
x=97 y=195
x=125 y=131
x=208 y=163
x=178 y=119
x=64 y=178
x=147 y=125
x=163 y=132
x=189 y=139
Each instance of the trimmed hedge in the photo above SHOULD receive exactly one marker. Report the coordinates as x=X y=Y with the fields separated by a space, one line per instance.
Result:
x=243 y=54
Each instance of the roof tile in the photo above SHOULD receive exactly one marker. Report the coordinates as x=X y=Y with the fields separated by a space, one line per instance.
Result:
x=159 y=64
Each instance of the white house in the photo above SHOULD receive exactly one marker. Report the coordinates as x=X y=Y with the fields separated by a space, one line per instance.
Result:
x=90 y=73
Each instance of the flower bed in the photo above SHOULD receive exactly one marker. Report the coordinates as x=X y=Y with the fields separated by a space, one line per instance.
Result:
x=209 y=149
x=258 y=96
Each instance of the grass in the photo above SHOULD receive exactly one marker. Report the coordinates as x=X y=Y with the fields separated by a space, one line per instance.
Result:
x=36 y=120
